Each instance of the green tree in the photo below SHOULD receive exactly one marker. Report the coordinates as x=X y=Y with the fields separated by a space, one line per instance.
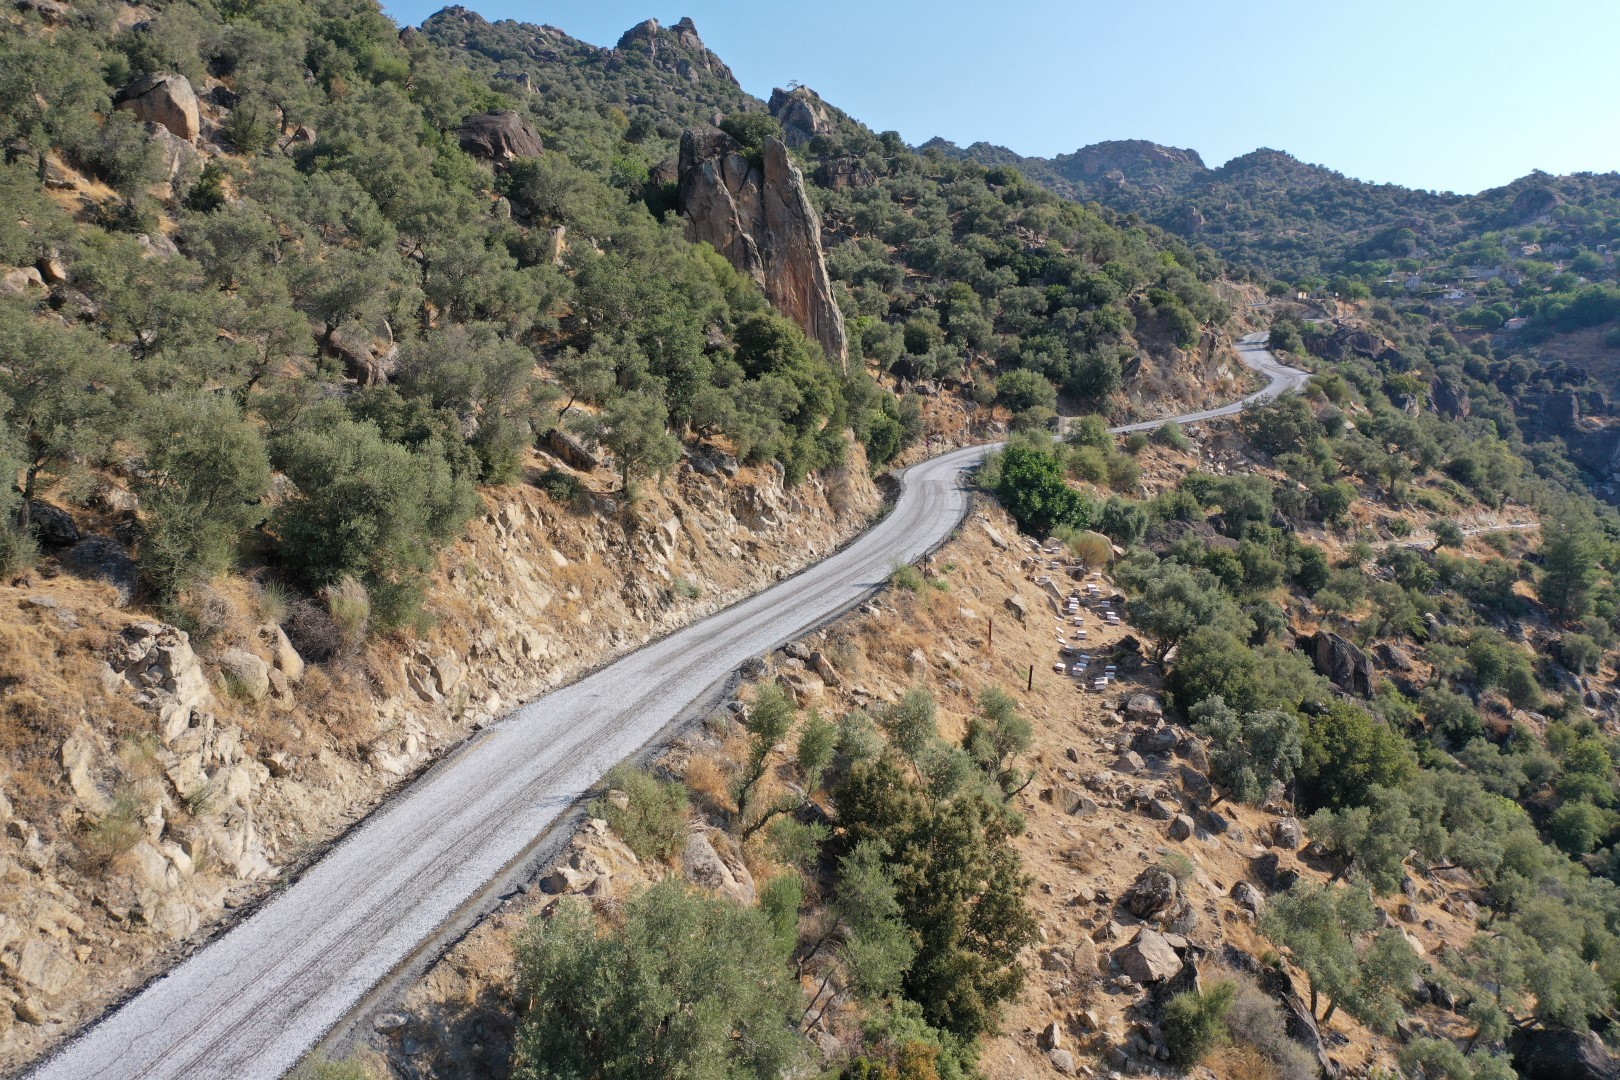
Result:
x=1569 y=569
x=368 y=507
x=996 y=736
x=1169 y=601
x=637 y=433
x=1447 y=533
x=1030 y=485
x=687 y=987
x=206 y=473
x=1347 y=753
x=1248 y=753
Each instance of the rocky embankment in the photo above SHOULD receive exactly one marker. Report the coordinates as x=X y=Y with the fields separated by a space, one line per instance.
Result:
x=167 y=779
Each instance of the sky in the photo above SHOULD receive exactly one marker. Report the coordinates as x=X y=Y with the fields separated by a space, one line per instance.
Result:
x=1438 y=94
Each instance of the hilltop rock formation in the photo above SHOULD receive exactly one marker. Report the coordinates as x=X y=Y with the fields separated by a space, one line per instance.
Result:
x=164 y=98
x=677 y=50
x=759 y=218
x=802 y=114
x=499 y=137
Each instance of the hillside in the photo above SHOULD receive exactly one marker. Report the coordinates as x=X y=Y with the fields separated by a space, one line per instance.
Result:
x=359 y=383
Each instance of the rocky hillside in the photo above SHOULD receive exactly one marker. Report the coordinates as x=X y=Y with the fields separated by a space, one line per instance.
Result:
x=159 y=783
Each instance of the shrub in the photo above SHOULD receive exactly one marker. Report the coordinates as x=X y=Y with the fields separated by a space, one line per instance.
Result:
x=651 y=818
x=1195 y=1023
x=563 y=488
x=908 y=577
x=349 y=604
x=1172 y=435
x=689 y=985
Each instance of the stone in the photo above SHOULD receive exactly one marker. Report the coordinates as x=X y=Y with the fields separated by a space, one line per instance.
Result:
x=1017 y=605
x=157 y=661
x=705 y=868
x=995 y=536
x=1050 y=1036
x=1149 y=958
x=1144 y=708
x=1196 y=784
x=1181 y=827
x=499 y=137
x=824 y=667
x=1269 y=871
x=1154 y=890
x=99 y=558
x=389 y=1022
x=1287 y=834
x=916 y=662
x=1191 y=750
x=283 y=656
x=1248 y=897
x=41 y=966
x=1062 y=1061
x=164 y=98
x=1070 y=801
x=797 y=650
x=572 y=452
x=761 y=219
x=1343 y=664
x=21 y=280
x=1556 y=1054
x=1130 y=763
x=51 y=525
x=245 y=673
x=1159 y=810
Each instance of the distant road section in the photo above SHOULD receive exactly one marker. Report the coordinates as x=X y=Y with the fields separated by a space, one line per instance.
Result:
x=248 y=1005
x=1252 y=350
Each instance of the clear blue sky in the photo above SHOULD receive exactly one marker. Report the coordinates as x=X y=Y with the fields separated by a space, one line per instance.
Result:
x=1439 y=94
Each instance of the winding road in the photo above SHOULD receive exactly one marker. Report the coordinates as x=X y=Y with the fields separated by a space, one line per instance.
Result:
x=249 y=1004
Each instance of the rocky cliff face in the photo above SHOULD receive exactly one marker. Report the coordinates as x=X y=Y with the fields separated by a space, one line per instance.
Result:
x=759 y=217
x=169 y=777
x=802 y=114
x=676 y=49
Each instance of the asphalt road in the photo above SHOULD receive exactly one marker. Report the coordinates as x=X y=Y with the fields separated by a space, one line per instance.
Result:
x=250 y=1003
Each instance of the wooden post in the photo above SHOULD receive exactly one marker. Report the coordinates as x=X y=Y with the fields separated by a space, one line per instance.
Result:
x=1031 y=685
x=991 y=641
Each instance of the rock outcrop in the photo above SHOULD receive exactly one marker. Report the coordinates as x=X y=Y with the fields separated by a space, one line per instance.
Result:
x=676 y=49
x=759 y=217
x=1344 y=665
x=1545 y=1054
x=802 y=114
x=164 y=98
x=499 y=137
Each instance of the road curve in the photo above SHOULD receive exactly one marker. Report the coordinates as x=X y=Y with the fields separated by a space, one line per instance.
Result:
x=249 y=1004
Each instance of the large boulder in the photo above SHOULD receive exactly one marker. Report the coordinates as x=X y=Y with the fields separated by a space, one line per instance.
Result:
x=1551 y=1054
x=760 y=218
x=1344 y=665
x=164 y=98
x=1153 y=891
x=1149 y=958
x=499 y=137
x=704 y=867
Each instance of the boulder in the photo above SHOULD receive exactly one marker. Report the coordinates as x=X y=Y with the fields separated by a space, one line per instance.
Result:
x=1269 y=871
x=1344 y=665
x=1130 y=763
x=1181 y=827
x=1286 y=833
x=245 y=673
x=1549 y=1054
x=1062 y=1061
x=1017 y=605
x=761 y=219
x=1196 y=784
x=157 y=661
x=824 y=667
x=1144 y=708
x=1248 y=897
x=705 y=868
x=1393 y=656
x=164 y=98
x=282 y=654
x=39 y=965
x=1154 y=890
x=51 y=525
x=572 y=452
x=1159 y=810
x=1149 y=958
x=499 y=137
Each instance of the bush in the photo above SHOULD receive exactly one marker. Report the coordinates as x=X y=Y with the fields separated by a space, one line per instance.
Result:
x=1172 y=435
x=688 y=985
x=564 y=489
x=908 y=577
x=1195 y=1023
x=652 y=818
x=1030 y=485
